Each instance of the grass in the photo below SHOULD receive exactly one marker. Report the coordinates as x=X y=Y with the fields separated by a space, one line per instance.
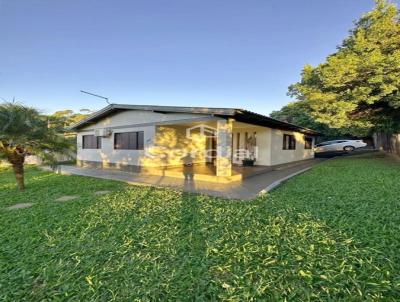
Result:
x=331 y=234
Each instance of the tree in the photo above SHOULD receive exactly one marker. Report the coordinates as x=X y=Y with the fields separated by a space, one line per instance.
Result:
x=358 y=87
x=23 y=131
x=299 y=113
x=64 y=118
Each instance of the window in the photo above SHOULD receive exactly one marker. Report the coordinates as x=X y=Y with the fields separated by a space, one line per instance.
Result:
x=91 y=142
x=308 y=142
x=129 y=140
x=289 y=142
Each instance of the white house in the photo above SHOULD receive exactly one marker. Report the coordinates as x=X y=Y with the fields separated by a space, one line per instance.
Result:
x=213 y=142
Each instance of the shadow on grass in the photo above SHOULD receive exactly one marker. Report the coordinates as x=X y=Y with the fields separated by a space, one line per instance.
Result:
x=191 y=251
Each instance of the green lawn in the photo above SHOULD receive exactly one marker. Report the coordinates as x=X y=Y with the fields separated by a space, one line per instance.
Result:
x=332 y=233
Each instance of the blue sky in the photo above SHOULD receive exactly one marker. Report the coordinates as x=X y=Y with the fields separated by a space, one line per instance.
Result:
x=221 y=53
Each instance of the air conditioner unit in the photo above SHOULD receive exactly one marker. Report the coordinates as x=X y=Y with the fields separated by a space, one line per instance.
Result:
x=105 y=132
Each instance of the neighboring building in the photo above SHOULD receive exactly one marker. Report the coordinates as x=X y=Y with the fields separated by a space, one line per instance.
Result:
x=160 y=139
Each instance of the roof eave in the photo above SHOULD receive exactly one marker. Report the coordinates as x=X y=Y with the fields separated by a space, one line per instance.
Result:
x=222 y=112
x=94 y=115
x=169 y=109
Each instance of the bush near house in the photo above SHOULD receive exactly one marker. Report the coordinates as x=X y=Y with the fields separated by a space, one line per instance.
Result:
x=332 y=233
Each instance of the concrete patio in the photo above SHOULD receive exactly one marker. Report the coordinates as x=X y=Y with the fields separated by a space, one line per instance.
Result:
x=246 y=189
x=208 y=172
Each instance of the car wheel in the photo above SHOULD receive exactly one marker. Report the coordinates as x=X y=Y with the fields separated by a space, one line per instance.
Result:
x=348 y=148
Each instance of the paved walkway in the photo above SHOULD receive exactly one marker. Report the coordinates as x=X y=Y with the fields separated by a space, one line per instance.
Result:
x=247 y=189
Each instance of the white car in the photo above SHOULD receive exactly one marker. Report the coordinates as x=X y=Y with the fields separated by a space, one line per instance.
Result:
x=339 y=145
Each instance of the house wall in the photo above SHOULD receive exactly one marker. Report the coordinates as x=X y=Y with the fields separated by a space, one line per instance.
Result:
x=107 y=156
x=167 y=138
x=172 y=147
x=270 y=145
x=280 y=156
x=264 y=146
x=263 y=137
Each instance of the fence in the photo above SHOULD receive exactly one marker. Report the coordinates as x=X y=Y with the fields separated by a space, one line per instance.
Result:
x=387 y=142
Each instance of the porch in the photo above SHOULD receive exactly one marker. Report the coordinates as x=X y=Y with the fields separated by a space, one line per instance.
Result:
x=209 y=150
x=246 y=189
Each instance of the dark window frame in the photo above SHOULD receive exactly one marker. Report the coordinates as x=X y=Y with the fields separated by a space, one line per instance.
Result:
x=132 y=140
x=289 y=142
x=308 y=142
x=91 y=141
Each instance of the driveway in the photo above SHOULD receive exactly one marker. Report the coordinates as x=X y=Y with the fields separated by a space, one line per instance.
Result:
x=329 y=154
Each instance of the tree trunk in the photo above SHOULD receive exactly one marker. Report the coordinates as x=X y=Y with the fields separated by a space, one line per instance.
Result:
x=17 y=161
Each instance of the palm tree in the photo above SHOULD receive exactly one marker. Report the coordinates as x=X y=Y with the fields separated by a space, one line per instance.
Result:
x=23 y=131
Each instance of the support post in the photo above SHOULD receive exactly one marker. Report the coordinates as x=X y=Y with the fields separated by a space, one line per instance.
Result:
x=224 y=147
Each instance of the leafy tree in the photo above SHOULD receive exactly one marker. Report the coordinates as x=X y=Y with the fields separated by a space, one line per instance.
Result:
x=357 y=88
x=64 y=118
x=23 y=131
x=299 y=113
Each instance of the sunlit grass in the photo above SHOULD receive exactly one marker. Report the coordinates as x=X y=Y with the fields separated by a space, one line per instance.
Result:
x=329 y=234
